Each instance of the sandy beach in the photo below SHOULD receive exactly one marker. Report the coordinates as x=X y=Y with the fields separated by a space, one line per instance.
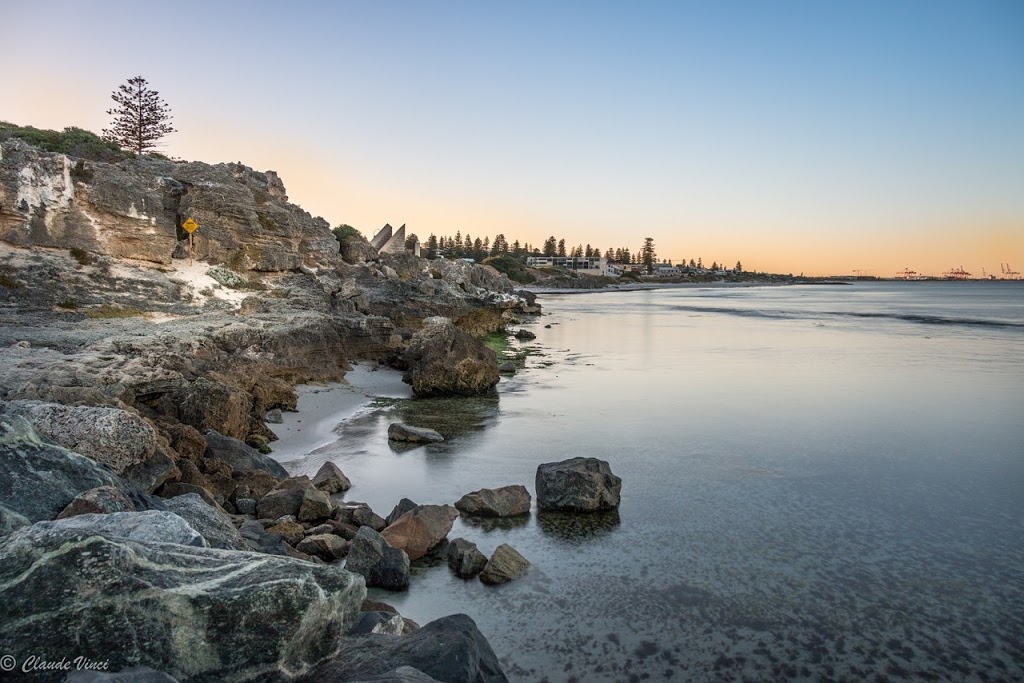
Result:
x=321 y=408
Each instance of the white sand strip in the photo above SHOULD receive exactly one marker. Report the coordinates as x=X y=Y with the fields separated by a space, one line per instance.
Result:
x=322 y=408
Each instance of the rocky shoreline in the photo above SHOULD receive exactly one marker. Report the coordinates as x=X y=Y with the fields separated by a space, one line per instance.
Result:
x=145 y=534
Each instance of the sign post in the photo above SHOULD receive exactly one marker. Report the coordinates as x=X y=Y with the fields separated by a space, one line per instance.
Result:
x=190 y=227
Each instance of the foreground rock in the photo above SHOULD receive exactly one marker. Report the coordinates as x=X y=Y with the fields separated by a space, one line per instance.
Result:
x=173 y=608
x=577 y=485
x=444 y=360
x=507 y=501
x=403 y=432
x=330 y=479
x=136 y=674
x=150 y=526
x=240 y=455
x=420 y=529
x=212 y=522
x=100 y=500
x=380 y=563
x=450 y=649
x=505 y=565
x=465 y=559
x=40 y=479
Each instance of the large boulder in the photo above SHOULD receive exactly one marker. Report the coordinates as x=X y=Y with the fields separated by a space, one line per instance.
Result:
x=449 y=649
x=380 y=563
x=444 y=360
x=136 y=674
x=577 y=485
x=330 y=479
x=420 y=529
x=198 y=614
x=316 y=505
x=465 y=559
x=212 y=522
x=505 y=565
x=148 y=526
x=280 y=503
x=11 y=521
x=40 y=479
x=113 y=437
x=506 y=501
x=398 y=431
x=241 y=456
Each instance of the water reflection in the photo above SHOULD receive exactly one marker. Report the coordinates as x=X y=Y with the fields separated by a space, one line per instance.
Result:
x=452 y=417
x=576 y=527
x=488 y=524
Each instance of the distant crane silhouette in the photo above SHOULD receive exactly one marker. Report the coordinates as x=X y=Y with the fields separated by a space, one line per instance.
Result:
x=1009 y=273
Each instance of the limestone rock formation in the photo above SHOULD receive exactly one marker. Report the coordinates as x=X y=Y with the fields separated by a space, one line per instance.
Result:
x=444 y=360
x=182 y=605
x=506 y=501
x=577 y=485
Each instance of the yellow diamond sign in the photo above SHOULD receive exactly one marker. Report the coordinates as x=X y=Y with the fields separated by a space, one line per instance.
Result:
x=189 y=226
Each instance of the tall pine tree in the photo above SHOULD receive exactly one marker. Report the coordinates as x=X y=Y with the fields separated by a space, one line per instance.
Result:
x=140 y=119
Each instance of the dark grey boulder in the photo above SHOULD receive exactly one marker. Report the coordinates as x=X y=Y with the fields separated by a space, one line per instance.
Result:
x=316 y=505
x=245 y=506
x=183 y=607
x=524 y=335
x=330 y=479
x=11 y=521
x=259 y=540
x=212 y=522
x=274 y=417
x=505 y=565
x=407 y=433
x=359 y=514
x=241 y=456
x=136 y=674
x=400 y=509
x=577 y=485
x=40 y=479
x=378 y=622
x=100 y=500
x=420 y=529
x=380 y=563
x=444 y=360
x=465 y=559
x=279 y=503
x=506 y=501
x=450 y=649
x=403 y=674
x=327 y=547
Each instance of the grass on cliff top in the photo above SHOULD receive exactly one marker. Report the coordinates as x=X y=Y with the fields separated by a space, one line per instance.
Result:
x=75 y=142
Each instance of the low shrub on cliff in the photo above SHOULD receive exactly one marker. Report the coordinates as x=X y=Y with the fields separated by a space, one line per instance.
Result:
x=343 y=232
x=513 y=267
x=75 y=142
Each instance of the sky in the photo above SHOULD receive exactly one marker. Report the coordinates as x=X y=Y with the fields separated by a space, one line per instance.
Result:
x=825 y=137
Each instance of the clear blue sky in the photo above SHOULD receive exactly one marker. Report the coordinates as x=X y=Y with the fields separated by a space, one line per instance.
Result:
x=794 y=136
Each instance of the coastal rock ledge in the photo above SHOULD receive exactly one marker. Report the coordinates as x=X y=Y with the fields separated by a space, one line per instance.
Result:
x=444 y=360
x=577 y=485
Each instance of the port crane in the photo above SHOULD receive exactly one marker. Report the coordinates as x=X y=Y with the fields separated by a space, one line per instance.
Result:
x=1009 y=273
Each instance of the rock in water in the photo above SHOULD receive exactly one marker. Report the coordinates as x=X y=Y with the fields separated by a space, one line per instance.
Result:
x=183 y=607
x=506 y=501
x=577 y=485
x=444 y=360
x=400 y=509
x=465 y=558
x=420 y=529
x=380 y=563
x=505 y=565
x=449 y=649
x=403 y=432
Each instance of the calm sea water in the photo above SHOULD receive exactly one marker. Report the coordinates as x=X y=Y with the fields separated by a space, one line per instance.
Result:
x=820 y=482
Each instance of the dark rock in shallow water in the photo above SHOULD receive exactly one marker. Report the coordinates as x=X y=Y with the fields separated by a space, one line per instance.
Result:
x=505 y=565
x=330 y=479
x=450 y=649
x=11 y=521
x=506 y=501
x=524 y=335
x=400 y=509
x=100 y=500
x=577 y=485
x=40 y=479
x=465 y=558
x=420 y=529
x=241 y=456
x=444 y=360
x=409 y=434
x=213 y=523
x=380 y=563
x=274 y=417
x=182 y=606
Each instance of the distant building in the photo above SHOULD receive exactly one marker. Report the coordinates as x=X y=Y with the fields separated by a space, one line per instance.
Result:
x=391 y=241
x=591 y=265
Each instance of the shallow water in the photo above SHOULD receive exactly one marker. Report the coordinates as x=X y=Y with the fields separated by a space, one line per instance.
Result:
x=819 y=482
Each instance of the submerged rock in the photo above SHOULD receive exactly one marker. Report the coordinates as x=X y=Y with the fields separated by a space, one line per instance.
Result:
x=505 y=565
x=182 y=607
x=403 y=432
x=444 y=360
x=577 y=485
x=506 y=501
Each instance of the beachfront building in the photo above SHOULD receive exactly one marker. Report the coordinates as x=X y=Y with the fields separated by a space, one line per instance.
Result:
x=591 y=265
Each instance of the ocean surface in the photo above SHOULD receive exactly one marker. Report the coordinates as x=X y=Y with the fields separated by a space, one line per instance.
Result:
x=819 y=483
